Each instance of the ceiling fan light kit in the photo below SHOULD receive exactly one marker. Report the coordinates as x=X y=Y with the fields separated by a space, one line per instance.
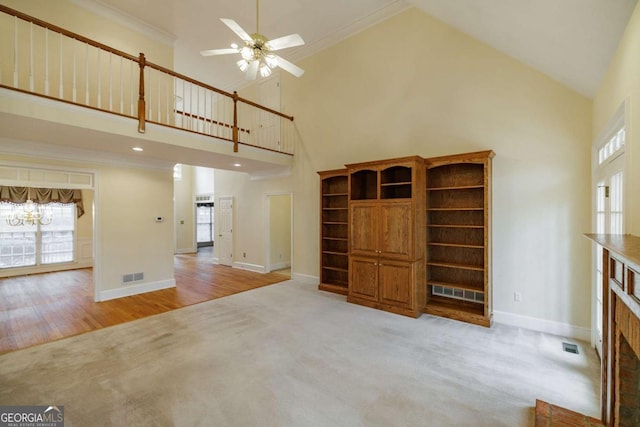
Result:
x=257 y=50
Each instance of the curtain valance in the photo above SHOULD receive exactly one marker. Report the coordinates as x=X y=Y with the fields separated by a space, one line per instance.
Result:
x=41 y=196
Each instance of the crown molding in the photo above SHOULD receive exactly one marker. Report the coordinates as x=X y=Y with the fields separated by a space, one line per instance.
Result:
x=129 y=21
x=335 y=37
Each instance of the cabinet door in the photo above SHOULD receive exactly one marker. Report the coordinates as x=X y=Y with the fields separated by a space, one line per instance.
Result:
x=364 y=229
x=364 y=278
x=396 y=282
x=396 y=239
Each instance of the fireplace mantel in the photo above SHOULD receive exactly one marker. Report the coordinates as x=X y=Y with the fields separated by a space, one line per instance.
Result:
x=620 y=388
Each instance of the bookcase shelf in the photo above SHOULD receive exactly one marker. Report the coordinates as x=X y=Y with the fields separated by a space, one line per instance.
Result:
x=458 y=237
x=334 y=231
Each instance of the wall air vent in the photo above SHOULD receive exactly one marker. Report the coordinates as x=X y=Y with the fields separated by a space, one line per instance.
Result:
x=132 y=277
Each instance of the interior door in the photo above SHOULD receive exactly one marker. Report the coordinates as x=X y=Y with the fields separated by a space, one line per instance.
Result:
x=268 y=132
x=225 y=231
x=609 y=220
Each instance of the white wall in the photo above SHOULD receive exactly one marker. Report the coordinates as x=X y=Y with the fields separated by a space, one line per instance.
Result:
x=204 y=181
x=69 y=16
x=429 y=90
x=622 y=85
x=126 y=202
x=185 y=227
x=129 y=239
x=279 y=231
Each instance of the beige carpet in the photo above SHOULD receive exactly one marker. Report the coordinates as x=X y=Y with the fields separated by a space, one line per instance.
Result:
x=289 y=355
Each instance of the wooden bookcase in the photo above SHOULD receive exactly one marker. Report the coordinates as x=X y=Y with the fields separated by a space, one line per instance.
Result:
x=458 y=243
x=410 y=235
x=334 y=231
x=386 y=238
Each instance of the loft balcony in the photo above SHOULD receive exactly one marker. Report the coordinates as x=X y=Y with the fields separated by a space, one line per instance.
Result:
x=62 y=95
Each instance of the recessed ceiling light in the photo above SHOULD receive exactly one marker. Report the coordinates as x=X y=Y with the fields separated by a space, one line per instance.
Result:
x=237 y=165
x=138 y=149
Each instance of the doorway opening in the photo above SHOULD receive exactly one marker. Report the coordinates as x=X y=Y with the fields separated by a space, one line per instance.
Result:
x=204 y=226
x=608 y=192
x=279 y=233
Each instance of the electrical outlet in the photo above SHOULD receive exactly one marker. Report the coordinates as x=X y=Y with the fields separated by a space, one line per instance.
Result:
x=517 y=296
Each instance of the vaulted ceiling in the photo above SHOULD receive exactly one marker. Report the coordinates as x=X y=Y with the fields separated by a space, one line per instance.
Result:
x=572 y=41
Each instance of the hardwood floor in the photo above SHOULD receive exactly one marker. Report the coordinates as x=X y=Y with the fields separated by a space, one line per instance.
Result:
x=45 y=307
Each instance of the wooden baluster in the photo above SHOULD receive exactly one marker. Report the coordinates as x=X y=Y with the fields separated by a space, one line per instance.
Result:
x=110 y=82
x=31 y=81
x=198 y=122
x=166 y=88
x=74 y=88
x=184 y=103
x=131 y=92
x=121 y=88
x=235 y=121
x=60 y=83
x=86 y=76
x=46 y=61
x=99 y=81
x=158 y=96
x=141 y=103
x=16 y=79
x=148 y=93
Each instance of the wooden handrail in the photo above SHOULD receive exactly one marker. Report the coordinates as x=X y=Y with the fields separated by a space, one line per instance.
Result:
x=214 y=89
x=142 y=63
x=67 y=33
x=208 y=120
x=253 y=104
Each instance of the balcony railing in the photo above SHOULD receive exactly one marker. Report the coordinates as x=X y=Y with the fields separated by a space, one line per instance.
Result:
x=45 y=60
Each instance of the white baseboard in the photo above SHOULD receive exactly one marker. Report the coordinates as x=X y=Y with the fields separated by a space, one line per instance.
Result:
x=280 y=265
x=47 y=268
x=250 y=267
x=136 y=289
x=305 y=278
x=542 y=325
x=185 y=251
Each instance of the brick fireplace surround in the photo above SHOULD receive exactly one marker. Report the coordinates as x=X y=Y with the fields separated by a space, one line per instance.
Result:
x=620 y=387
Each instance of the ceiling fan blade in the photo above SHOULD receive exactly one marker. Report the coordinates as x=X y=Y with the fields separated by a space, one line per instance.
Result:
x=252 y=71
x=218 y=52
x=233 y=25
x=289 y=67
x=291 y=40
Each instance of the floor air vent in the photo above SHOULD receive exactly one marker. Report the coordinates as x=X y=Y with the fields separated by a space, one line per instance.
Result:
x=570 y=348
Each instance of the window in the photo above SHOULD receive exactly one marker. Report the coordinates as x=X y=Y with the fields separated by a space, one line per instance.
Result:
x=177 y=172
x=608 y=176
x=204 y=231
x=32 y=245
x=613 y=146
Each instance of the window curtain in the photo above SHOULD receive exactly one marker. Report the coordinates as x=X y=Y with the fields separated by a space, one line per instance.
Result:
x=19 y=195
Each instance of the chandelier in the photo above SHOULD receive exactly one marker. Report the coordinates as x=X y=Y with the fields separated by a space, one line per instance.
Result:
x=29 y=213
x=257 y=51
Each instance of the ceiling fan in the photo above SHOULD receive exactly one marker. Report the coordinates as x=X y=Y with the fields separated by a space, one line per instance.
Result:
x=257 y=52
